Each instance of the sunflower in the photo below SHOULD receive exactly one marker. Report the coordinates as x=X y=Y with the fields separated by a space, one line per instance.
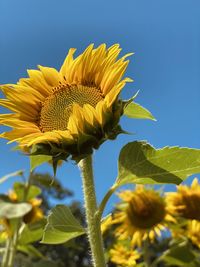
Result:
x=123 y=256
x=193 y=232
x=142 y=215
x=5 y=230
x=35 y=214
x=70 y=111
x=185 y=203
x=105 y=223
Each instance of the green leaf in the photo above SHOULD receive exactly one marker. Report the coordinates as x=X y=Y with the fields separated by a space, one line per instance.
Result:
x=139 y=162
x=180 y=255
x=135 y=111
x=37 y=160
x=13 y=174
x=32 y=232
x=61 y=226
x=20 y=189
x=30 y=251
x=13 y=210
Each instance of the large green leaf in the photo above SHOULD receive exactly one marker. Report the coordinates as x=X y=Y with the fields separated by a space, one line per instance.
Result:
x=37 y=160
x=20 y=188
x=14 y=210
x=13 y=174
x=135 y=111
x=139 y=162
x=61 y=226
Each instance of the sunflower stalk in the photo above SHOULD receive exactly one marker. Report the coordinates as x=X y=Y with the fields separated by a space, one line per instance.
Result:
x=93 y=220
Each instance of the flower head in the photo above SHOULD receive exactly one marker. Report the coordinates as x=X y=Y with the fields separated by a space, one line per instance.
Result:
x=185 y=203
x=70 y=111
x=123 y=257
x=142 y=215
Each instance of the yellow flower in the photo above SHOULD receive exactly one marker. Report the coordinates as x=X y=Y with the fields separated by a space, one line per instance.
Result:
x=35 y=214
x=70 y=111
x=193 y=232
x=124 y=257
x=5 y=230
x=105 y=223
x=185 y=203
x=12 y=196
x=142 y=215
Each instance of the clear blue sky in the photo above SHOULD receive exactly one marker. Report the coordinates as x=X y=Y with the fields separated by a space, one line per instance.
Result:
x=165 y=36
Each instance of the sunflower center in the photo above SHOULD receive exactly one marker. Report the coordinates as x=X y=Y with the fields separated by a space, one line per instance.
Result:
x=57 y=108
x=145 y=211
x=189 y=206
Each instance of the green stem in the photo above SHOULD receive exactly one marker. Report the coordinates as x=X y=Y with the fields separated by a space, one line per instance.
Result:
x=105 y=200
x=13 y=245
x=6 y=254
x=146 y=253
x=93 y=221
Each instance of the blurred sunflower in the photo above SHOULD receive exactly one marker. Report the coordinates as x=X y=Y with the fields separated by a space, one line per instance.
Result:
x=123 y=257
x=5 y=230
x=185 y=203
x=105 y=223
x=35 y=214
x=193 y=232
x=142 y=215
x=70 y=111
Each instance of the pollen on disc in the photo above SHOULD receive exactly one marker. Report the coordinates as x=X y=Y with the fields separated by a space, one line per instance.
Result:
x=57 y=108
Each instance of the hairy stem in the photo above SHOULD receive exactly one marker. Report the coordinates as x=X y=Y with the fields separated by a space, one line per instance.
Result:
x=93 y=221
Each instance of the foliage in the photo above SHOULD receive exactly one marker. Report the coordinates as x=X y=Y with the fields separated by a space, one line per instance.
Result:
x=139 y=162
x=61 y=227
x=136 y=111
x=75 y=252
x=164 y=251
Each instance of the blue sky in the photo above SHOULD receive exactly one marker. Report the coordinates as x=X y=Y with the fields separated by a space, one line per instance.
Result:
x=165 y=36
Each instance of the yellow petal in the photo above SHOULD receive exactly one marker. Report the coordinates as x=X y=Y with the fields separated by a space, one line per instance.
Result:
x=51 y=75
x=68 y=60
